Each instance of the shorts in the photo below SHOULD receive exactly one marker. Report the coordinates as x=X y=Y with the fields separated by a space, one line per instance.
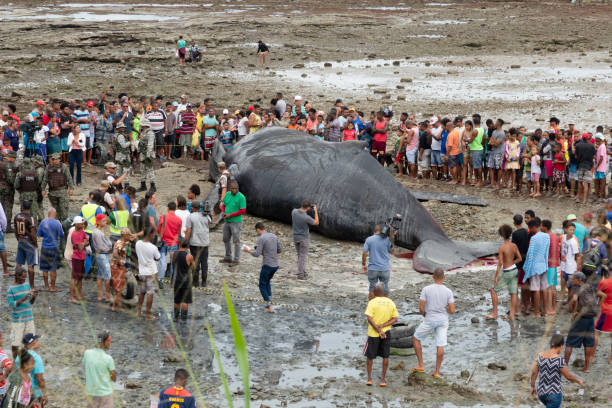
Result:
x=181 y=52
x=2 y=244
x=453 y=160
x=535 y=177
x=585 y=176
x=104 y=271
x=521 y=275
x=375 y=276
x=170 y=139
x=89 y=142
x=582 y=333
x=558 y=176
x=538 y=282
x=411 y=155
x=377 y=347
x=159 y=137
x=183 y=292
x=64 y=143
x=118 y=277
x=573 y=172
x=438 y=328
x=551 y=277
x=49 y=259
x=78 y=269
x=436 y=158
x=528 y=175
x=147 y=284
x=600 y=175
x=20 y=329
x=508 y=280
x=495 y=160
x=425 y=161
x=477 y=156
x=101 y=402
x=604 y=323
x=379 y=147
x=26 y=254
x=568 y=280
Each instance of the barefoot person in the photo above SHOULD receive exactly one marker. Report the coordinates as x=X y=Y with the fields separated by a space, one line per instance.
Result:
x=184 y=264
x=381 y=313
x=118 y=269
x=378 y=269
x=51 y=232
x=584 y=310
x=269 y=247
x=509 y=256
x=79 y=242
x=435 y=304
x=604 y=322
x=148 y=257
x=536 y=266
x=547 y=369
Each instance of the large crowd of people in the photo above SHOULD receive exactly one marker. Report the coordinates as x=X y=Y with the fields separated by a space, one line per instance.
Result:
x=115 y=235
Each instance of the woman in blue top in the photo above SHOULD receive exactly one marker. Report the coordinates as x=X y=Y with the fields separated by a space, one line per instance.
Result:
x=181 y=50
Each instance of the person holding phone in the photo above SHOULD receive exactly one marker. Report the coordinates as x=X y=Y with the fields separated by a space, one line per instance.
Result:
x=300 y=224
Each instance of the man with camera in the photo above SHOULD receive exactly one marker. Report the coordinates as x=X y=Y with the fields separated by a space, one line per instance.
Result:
x=378 y=246
x=300 y=223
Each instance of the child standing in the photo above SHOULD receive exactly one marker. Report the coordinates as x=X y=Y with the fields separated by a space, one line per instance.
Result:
x=569 y=249
x=536 y=170
x=512 y=158
x=527 y=163
x=601 y=164
x=226 y=136
x=349 y=133
x=559 y=169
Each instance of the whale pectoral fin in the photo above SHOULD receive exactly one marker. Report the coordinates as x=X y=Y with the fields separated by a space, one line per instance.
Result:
x=431 y=254
x=234 y=171
x=218 y=151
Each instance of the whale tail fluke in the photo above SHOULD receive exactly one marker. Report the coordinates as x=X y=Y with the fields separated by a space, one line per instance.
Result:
x=431 y=254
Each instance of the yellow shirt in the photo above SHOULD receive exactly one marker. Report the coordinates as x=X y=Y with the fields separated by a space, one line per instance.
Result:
x=199 y=119
x=380 y=309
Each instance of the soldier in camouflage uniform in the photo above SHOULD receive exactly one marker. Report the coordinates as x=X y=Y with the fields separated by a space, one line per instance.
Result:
x=146 y=148
x=7 y=189
x=57 y=177
x=39 y=163
x=28 y=184
x=121 y=147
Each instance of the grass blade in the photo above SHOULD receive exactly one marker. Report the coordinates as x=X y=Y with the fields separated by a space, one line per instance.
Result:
x=240 y=347
x=228 y=395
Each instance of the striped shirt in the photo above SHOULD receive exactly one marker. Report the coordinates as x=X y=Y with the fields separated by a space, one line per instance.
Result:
x=82 y=114
x=549 y=375
x=156 y=119
x=22 y=312
x=187 y=128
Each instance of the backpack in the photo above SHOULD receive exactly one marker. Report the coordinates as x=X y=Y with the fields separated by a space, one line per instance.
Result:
x=590 y=259
x=587 y=301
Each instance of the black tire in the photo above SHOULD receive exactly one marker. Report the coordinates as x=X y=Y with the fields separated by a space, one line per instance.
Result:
x=402 y=331
x=129 y=292
x=401 y=342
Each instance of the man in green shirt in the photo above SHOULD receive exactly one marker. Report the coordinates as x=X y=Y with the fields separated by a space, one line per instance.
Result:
x=99 y=372
x=234 y=206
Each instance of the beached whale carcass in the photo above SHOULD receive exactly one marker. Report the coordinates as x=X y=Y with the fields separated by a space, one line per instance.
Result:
x=278 y=168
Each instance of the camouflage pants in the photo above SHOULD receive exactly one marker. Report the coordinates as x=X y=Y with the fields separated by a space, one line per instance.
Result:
x=59 y=201
x=147 y=171
x=7 y=198
x=122 y=167
x=33 y=198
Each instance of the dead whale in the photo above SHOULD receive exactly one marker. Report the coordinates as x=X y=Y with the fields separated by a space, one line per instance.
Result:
x=278 y=168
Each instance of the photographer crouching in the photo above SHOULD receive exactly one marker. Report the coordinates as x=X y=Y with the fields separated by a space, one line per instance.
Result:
x=379 y=246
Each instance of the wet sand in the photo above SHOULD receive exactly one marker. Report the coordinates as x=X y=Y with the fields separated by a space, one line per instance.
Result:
x=500 y=59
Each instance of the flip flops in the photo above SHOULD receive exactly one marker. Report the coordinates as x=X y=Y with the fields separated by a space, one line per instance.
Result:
x=436 y=376
x=369 y=383
x=416 y=370
x=382 y=384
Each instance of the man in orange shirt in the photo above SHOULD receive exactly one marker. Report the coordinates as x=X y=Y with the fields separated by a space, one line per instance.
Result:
x=452 y=150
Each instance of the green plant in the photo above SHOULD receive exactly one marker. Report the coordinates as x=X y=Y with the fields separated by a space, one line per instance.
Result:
x=239 y=346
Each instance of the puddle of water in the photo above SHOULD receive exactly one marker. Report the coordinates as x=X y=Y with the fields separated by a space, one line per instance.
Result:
x=298 y=374
x=129 y=5
x=439 y=4
x=91 y=17
x=427 y=36
x=382 y=8
x=445 y=22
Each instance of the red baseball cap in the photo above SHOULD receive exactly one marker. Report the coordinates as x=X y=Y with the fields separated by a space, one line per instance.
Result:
x=40 y=103
x=586 y=136
x=100 y=217
x=90 y=104
x=251 y=107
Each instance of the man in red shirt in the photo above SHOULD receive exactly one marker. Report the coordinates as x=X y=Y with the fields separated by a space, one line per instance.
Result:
x=169 y=229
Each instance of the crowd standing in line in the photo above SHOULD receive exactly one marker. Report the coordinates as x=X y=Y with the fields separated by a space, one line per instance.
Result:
x=116 y=234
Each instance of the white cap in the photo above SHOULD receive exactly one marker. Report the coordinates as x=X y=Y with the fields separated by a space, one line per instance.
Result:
x=78 y=220
x=297 y=98
x=225 y=112
x=433 y=120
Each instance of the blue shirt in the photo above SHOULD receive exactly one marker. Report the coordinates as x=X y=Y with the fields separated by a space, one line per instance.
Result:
x=536 y=261
x=51 y=231
x=13 y=137
x=581 y=234
x=378 y=247
x=359 y=126
x=23 y=312
x=176 y=397
x=81 y=114
x=443 y=141
x=150 y=212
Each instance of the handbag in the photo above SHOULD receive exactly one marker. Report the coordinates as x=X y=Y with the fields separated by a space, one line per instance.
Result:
x=195 y=138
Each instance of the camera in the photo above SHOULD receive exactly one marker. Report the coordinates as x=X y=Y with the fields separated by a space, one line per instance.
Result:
x=391 y=224
x=205 y=207
x=30 y=128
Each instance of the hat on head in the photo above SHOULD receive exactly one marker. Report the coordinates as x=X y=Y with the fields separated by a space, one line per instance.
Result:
x=251 y=108
x=90 y=104
x=104 y=183
x=237 y=111
x=110 y=165
x=297 y=98
x=225 y=112
x=144 y=122
x=11 y=154
x=78 y=220
x=40 y=103
x=352 y=109
x=189 y=105
x=38 y=160
x=599 y=136
x=175 y=103
x=100 y=217
x=320 y=113
x=571 y=217
x=56 y=156
x=580 y=276
x=586 y=136
x=433 y=119
x=183 y=96
x=120 y=125
x=126 y=231
x=587 y=216
x=571 y=122
x=29 y=338
x=5 y=112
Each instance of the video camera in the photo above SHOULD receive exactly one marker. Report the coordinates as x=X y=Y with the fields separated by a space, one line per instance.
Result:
x=391 y=224
x=30 y=128
x=205 y=208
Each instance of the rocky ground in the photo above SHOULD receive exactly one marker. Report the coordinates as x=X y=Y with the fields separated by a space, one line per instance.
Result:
x=521 y=60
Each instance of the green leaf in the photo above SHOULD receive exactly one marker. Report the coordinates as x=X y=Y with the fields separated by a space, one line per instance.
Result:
x=240 y=347
x=228 y=395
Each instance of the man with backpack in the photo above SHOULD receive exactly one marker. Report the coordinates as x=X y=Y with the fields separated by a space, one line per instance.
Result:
x=594 y=256
x=583 y=306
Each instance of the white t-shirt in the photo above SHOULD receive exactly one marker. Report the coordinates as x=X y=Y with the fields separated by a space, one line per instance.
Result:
x=569 y=249
x=242 y=127
x=436 y=298
x=40 y=135
x=148 y=255
x=535 y=168
x=436 y=144
x=183 y=215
